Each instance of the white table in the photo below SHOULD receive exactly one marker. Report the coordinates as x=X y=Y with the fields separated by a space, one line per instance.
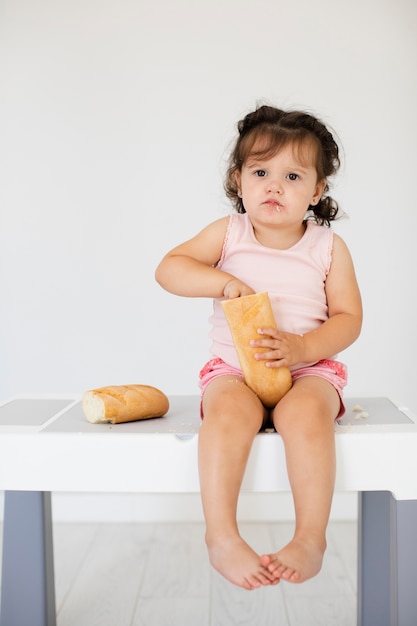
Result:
x=47 y=445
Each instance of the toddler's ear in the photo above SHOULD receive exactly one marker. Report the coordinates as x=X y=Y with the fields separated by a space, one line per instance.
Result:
x=320 y=188
x=238 y=185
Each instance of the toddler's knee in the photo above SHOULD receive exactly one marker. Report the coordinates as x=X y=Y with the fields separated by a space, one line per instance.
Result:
x=311 y=418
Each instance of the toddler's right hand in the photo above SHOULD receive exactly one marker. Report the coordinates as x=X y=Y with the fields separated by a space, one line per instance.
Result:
x=235 y=288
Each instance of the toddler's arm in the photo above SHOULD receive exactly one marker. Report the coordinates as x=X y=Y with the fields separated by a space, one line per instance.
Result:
x=189 y=269
x=345 y=308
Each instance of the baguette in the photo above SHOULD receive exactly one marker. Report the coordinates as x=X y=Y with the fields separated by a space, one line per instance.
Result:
x=123 y=403
x=244 y=316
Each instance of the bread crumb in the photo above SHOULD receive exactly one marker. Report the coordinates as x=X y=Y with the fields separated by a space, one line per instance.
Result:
x=357 y=408
x=361 y=416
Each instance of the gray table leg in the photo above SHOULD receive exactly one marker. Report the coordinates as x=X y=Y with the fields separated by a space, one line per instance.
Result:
x=27 y=586
x=387 y=586
x=406 y=563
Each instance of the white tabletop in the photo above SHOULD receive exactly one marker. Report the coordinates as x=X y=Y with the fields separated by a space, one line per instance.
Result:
x=46 y=444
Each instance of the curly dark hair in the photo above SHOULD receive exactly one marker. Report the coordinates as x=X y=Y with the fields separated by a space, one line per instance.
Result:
x=278 y=129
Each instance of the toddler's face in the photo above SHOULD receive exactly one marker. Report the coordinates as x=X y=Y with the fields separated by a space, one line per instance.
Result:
x=279 y=189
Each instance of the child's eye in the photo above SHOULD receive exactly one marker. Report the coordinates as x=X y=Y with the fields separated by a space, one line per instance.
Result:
x=293 y=176
x=260 y=173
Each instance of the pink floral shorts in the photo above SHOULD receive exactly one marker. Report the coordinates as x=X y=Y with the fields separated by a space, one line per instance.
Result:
x=334 y=372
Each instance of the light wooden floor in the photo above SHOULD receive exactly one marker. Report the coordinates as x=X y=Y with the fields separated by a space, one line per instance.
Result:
x=158 y=575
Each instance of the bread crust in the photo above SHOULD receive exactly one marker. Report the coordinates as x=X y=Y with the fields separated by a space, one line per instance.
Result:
x=124 y=403
x=244 y=316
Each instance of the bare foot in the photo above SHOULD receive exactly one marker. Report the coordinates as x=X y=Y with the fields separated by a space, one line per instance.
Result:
x=236 y=561
x=297 y=561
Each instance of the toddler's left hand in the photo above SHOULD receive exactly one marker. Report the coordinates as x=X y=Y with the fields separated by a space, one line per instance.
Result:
x=282 y=349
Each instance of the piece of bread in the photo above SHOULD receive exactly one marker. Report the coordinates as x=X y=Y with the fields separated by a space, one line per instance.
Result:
x=244 y=316
x=123 y=403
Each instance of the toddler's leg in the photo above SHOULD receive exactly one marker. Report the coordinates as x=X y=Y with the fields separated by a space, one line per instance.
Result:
x=305 y=420
x=232 y=417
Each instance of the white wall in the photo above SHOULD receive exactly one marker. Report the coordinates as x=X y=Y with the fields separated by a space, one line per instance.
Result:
x=116 y=117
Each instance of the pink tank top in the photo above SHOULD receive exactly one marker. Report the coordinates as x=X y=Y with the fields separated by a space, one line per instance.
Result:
x=293 y=278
